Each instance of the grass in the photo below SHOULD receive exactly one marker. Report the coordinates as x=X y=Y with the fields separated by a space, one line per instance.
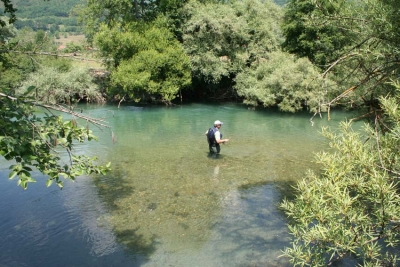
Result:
x=76 y=39
x=86 y=58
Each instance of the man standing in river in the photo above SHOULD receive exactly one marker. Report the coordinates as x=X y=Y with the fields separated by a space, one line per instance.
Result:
x=214 y=138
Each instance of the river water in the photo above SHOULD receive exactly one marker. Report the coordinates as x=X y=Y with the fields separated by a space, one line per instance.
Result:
x=167 y=202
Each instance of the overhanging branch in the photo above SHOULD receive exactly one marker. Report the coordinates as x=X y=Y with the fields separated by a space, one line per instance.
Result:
x=60 y=108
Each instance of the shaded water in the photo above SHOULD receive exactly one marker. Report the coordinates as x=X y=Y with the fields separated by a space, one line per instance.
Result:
x=166 y=202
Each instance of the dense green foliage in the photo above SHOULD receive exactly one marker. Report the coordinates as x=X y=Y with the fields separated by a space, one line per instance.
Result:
x=320 y=42
x=54 y=86
x=7 y=12
x=282 y=80
x=240 y=43
x=15 y=67
x=146 y=59
x=95 y=13
x=222 y=39
x=351 y=210
x=356 y=42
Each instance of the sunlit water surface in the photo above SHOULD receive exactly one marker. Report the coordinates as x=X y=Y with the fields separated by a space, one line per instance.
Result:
x=167 y=202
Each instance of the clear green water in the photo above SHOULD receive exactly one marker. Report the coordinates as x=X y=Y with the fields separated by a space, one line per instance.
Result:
x=166 y=202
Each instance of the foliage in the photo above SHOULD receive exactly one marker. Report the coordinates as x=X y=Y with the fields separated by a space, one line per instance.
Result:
x=39 y=14
x=6 y=33
x=109 y=12
x=282 y=80
x=34 y=141
x=172 y=9
x=50 y=24
x=352 y=209
x=321 y=43
x=72 y=47
x=9 y=10
x=30 y=139
x=147 y=60
x=223 y=38
x=94 y=13
x=43 y=8
x=53 y=86
x=358 y=40
x=16 y=65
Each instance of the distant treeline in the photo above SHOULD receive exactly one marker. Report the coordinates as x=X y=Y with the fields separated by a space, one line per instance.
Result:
x=52 y=24
x=53 y=15
x=50 y=15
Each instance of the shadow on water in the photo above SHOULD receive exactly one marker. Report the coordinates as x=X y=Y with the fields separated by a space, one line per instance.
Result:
x=253 y=227
x=112 y=188
x=142 y=248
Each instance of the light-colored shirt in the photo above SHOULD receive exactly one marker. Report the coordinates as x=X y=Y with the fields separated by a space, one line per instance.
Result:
x=217 y=135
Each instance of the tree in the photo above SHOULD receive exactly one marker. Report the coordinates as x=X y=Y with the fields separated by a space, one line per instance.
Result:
x=10 y=10
x=15 y=65
x=352 y=209
x=33 y=140
x=222 y=39
x=110 y=12
x=360 y=45
x=145 y=59
x=94 y=13
x=54 y=86
x=320 y=43
x=282 y=80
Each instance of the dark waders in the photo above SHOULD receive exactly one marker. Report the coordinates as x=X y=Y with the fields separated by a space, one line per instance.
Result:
x=214 y=148
x=212 y=143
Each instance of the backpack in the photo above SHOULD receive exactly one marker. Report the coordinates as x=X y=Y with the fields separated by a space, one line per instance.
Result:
x=211 y=135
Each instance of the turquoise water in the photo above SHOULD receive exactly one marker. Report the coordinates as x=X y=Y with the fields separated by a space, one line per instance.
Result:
x=167 y=202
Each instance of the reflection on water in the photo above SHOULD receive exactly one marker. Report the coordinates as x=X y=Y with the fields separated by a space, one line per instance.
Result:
x=166 y=203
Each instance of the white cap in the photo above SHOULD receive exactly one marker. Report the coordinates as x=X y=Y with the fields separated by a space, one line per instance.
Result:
x=217 y=122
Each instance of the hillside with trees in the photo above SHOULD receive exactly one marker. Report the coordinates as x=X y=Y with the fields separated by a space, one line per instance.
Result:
x=54 y=15
x=49 y=16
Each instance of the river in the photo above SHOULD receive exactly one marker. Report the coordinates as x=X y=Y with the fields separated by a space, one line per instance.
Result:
x=167 y=202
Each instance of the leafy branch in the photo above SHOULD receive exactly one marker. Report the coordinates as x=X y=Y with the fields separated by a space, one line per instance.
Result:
x=34 y=142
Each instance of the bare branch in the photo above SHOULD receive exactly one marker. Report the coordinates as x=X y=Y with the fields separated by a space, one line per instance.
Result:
x=122 y=99
x=337 y=62
x=30 y=53
x=95 y=121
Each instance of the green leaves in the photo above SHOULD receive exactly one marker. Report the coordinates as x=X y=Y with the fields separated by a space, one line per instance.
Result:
x=222 y=39
x=355 y=42
x=24 y=174
x=351 y=209
x=35 y=143
x=282 y=80
x=52 y=86
x=148 y=61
